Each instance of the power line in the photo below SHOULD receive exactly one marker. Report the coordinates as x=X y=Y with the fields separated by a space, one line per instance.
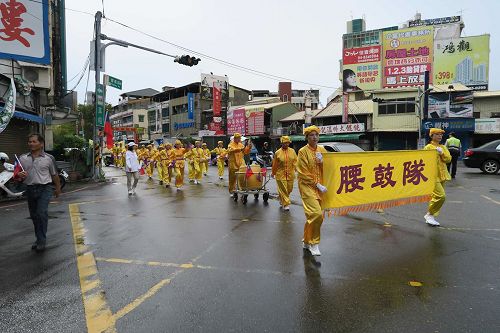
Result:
x=85 y=64
x=227 y=63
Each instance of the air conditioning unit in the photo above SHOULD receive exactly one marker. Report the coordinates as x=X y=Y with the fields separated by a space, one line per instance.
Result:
x=39 y=76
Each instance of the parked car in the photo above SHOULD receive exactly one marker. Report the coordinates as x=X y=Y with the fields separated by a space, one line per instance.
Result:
x=486 y=157
x=341 y=147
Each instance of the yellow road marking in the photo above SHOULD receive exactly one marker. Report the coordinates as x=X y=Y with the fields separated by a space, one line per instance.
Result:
x=98 y=315
x=490 y=199
x=138 y=301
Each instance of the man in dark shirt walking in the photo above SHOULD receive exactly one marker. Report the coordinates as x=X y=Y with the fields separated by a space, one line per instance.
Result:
x=40 y=175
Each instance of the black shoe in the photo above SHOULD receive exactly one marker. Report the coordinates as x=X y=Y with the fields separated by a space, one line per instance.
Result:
x=161 y=182
x=33 y=246
x=40 y=248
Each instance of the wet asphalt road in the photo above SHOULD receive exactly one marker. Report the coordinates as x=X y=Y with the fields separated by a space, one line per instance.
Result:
x=196 y=261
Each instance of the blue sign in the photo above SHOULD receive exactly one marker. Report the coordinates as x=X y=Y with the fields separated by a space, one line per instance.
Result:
x=450 y=124
x=190 y=106
x=178 y=126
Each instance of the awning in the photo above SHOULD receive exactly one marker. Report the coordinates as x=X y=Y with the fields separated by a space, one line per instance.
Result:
x=29 y=117
x=327 y=138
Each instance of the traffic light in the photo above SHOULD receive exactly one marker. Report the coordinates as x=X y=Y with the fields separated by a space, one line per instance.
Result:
x=187 y=60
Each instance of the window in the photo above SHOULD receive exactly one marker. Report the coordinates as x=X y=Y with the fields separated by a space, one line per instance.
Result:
x=165 y=128
x=397 y=106
x=164 y=112
x=141 y=118
x=285 y=98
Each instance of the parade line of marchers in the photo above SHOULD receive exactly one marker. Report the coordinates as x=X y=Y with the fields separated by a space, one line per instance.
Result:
x=329 y=183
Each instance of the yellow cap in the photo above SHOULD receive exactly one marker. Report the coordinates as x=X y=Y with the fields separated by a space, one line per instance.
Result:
x=204 y=144
x=310 y=129
x=219 y=142
x=435 y=131
x=178 y=142
x=168 y=144
x=196 y=142
x=285 y=139
x=237 y=135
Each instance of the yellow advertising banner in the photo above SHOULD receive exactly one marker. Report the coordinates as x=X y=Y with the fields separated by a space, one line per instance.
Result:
x=376 y=180
x=407 y=55
x=465 y=60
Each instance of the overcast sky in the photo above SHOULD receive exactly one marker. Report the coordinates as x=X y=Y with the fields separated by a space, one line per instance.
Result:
x=300 y=40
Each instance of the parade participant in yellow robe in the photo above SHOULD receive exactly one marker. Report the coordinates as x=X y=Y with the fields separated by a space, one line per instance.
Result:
x=206 y=158
x=283 y=169
x=310 y=179
x=161 y=159
x=115 y=151
x=149 y=161
x=170 y=165
x=198 y=158
x=221 y=153
x=178 y=154
x=123 y=153
x=235 y=152
x=189 y=157
x=443 y=157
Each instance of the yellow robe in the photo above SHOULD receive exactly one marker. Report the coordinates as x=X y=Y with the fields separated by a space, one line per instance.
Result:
x=178 y=154
x=310 y=173
x=198 y=162
x=189 y=156
x=206 y=159
x=283 y=169
x=235 y=153
x=438 y=196
x=221 y=153
x=162 y=165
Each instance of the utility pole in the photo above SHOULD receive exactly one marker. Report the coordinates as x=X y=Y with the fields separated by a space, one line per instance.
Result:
x=96 y=168
x=308 y=111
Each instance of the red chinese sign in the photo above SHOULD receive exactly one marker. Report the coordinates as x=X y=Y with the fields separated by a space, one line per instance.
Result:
x=236 y=122
x=407 y=56
x=255 y=123
x=11 y=20
x=217 y=101
x=361 y=55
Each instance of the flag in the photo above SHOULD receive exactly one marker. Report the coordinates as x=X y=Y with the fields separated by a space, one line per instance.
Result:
x=249 y=172
x=17 y=168
x=108 y=130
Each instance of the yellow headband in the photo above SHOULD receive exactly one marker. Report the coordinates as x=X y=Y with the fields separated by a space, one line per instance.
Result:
x=310 y=129
x=435 y=131
x=285 y=139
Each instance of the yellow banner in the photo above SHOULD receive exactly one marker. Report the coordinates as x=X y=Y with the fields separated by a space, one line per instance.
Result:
x=377 y=180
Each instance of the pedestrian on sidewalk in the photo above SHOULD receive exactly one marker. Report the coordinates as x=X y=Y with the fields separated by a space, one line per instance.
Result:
x=131 y=167
x=438 y=195
x=310 y=179
x=283 y=169
x=40 y=175
x=455 y=148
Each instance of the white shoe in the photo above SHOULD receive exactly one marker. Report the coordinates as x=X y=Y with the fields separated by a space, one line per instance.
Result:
x=231 y=195
x=221 y=178
x=305 y=246
x=314 y=249
x=129 y=192
x=133 y=191
x=430 y=220
x=179 y=189
x=286 y=208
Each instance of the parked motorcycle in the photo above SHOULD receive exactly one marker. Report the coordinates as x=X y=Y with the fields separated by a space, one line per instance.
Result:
x=266 y=159
x=9 y=188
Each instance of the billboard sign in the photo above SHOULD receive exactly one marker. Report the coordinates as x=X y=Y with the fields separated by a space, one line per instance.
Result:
x=487 y=125
x=342 y=128
x=436 y=21
x=255 y=121
x=407 y=56
x=452 y=105
x=361 y=68
x=450 y=125
x=462 y=60
x=190 y=97
x=208 y=81
x=216 y=101
x=24 y=31
x=236 y=121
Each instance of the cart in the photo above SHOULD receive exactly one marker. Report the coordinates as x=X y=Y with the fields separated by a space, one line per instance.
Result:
x=243 y=188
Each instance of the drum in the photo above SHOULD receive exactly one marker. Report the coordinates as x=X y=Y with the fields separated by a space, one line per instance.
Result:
x=253 y=182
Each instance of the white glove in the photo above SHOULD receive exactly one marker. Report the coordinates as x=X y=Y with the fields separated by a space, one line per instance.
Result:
x=319 y=157
x=321 y=188
x=439 y=150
